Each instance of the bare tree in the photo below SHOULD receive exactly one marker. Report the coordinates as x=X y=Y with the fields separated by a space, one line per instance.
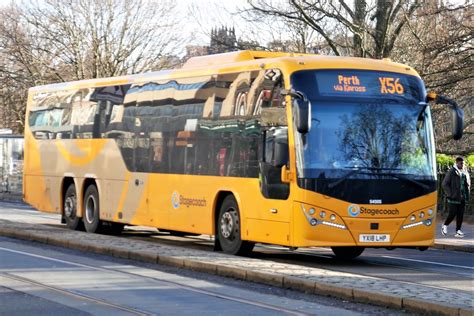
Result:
x=372 y=28
x=54 y=41
x=105 y=38
x=438 y=44
x=435 y=37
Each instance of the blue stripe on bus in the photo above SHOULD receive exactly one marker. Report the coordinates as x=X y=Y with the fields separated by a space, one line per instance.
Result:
x=169 y=85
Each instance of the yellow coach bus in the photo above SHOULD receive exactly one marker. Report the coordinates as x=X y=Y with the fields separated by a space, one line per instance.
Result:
x=291 y=149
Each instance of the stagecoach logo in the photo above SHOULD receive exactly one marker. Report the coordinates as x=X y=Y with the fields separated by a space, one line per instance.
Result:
x=353 y=210
x=175 y=199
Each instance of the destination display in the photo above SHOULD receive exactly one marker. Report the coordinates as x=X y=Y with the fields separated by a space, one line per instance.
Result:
x=360 y=84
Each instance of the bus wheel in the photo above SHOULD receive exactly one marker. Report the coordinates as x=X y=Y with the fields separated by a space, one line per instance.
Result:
x=70 y=209
x=347 y=252
x=228 y=229
x=91 y=218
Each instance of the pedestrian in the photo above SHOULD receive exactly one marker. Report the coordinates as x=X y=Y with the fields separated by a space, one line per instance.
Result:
x=456 y=186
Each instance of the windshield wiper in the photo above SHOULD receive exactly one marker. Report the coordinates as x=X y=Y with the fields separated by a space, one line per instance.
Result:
x=347 y=175
x=356 y=170
x=407 y=179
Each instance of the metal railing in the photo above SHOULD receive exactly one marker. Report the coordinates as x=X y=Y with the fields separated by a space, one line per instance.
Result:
x=11 y=164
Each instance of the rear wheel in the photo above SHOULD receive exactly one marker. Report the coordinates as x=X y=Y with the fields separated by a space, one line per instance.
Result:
x=91 y=217
x=347 y=252
x=70 y=209
x=228 y=229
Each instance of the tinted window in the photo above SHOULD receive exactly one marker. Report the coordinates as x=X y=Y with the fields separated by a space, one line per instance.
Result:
x=82 y=113
x=202 y=125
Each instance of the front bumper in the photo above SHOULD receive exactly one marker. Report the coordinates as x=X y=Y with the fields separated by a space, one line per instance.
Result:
x=313 y=230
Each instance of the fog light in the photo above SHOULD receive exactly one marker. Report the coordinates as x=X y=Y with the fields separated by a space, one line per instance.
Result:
x=428 y=222
x=322 y=214
x=313 y=222
x=311 y=211
x=412 y=218
x=332 y=217
x=422 y=214
x=430 y=212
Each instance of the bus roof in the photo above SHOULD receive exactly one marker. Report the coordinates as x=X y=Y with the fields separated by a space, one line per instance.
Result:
x=240 y=60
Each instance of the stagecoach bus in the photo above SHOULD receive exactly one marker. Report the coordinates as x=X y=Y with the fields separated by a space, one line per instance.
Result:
x=252 y=147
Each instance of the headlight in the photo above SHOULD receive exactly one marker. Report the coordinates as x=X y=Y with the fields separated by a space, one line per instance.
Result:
x=322 y=214
x=340 y=226
x=412 y=218
x=412 y=225
x=311 y=211
x=332 y=217
x=430 y=212
x=422 y=214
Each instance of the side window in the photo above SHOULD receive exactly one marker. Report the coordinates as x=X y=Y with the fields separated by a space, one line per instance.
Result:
x=160 y=120
x=242 y=96
x=50 y=115
x=108 y=102
x=268 y=91
x=270 y=176
x=83 y=112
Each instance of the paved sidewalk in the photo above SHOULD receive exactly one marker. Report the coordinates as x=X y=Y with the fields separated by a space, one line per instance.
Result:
x=402 y=295
x=449 y=242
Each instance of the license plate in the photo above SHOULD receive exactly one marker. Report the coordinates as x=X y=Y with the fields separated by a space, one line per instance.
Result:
x=374 y=238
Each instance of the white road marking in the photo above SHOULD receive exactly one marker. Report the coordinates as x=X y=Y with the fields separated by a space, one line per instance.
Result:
x=186 y=287
x=430 y=262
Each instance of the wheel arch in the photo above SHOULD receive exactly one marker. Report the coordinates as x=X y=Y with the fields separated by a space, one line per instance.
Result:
x=243 y=246
x=66 y=182
x=219 y=199
x=90 y=180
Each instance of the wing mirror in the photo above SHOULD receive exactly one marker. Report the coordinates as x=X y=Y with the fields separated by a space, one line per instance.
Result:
x=301 y=110
x=456 y=112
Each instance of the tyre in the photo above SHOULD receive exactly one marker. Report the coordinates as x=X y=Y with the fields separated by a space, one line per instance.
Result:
x=70 y=209
x=347 y=253
x=91 y=212
x=228 y=229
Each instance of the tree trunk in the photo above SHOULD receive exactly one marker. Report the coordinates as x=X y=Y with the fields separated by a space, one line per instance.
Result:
x=359 y=21
x=382 y=15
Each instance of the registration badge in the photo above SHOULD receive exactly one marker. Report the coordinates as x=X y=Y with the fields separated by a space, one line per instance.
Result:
x=374 y=238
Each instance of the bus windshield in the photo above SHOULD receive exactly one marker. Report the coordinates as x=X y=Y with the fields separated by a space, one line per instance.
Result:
x=360 y=133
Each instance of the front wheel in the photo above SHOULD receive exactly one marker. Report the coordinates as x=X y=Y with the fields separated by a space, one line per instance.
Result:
x=347 y=253
x=70 y=209
x=228 y=229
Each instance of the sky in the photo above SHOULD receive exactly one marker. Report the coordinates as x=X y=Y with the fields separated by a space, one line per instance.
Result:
x=206 y=14
x=201 y=16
